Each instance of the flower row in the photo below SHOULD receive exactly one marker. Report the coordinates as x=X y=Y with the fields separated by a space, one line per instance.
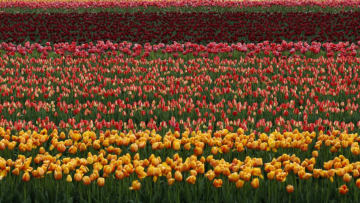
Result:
x=175 y=50
x=101 y=92
x=199 y=27
x=108 y=163
x=168 y=3
x=197 y=142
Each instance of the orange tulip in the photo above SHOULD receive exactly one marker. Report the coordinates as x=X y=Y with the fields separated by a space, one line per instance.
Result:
x=82 y=147
x=176 y=144
x=41 y=171
x=135 y=185
x=134 y=147
x=214 y=150
x=240 y=183
x=26 y=177
x=78 y=177
x=255 y=183
x=86 y=180
x=198 y=151
x=108 y=169
x=271 y=175
x=315 y=154
x=119 y=174
x=218 y=170
x=58 y=175
x=178 y=176
x=16 y=171
x=193 y=172
x=3 y=173
x=61 y=147
x=347 y=177
x=218 y=183
x=191 y=179
x=2 y=146
x=233 y=177
x=171 y=181
x=187 y=146
x=358 y=183
x=101 y=182
x=343 y=189
x=210 y=175
x=290 y=188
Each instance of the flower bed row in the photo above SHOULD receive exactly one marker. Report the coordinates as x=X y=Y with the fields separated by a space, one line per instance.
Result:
x=184 y=9
x=170 y=3
x=139 y=87
x=235 y=161
x=181 y=27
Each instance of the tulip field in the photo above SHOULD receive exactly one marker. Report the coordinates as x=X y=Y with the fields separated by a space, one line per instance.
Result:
x=179 y=101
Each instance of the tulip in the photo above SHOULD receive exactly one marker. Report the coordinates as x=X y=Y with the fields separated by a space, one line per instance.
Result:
x=191 y=179
x=26 y=177
x=134 y=147
x=178 y=176
x=135 y=185
x=61 y=148
x=187 y=146
x=347 y=177
x=15 y=171
x=255 y=183
x=176 y=144
x=315 y=154
x=68 y=178
x=41 y=171
x=78 y=177
x=239 y=183
x=358 y=183
x=170 y=181
x=210 y=175
x=290 y=188
x=198 y=151
x=343 y=189
x=100 y=182
x=218 y=183
x=271 y=175
x=86 y=180
x=58 y=175
x=234 y=177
